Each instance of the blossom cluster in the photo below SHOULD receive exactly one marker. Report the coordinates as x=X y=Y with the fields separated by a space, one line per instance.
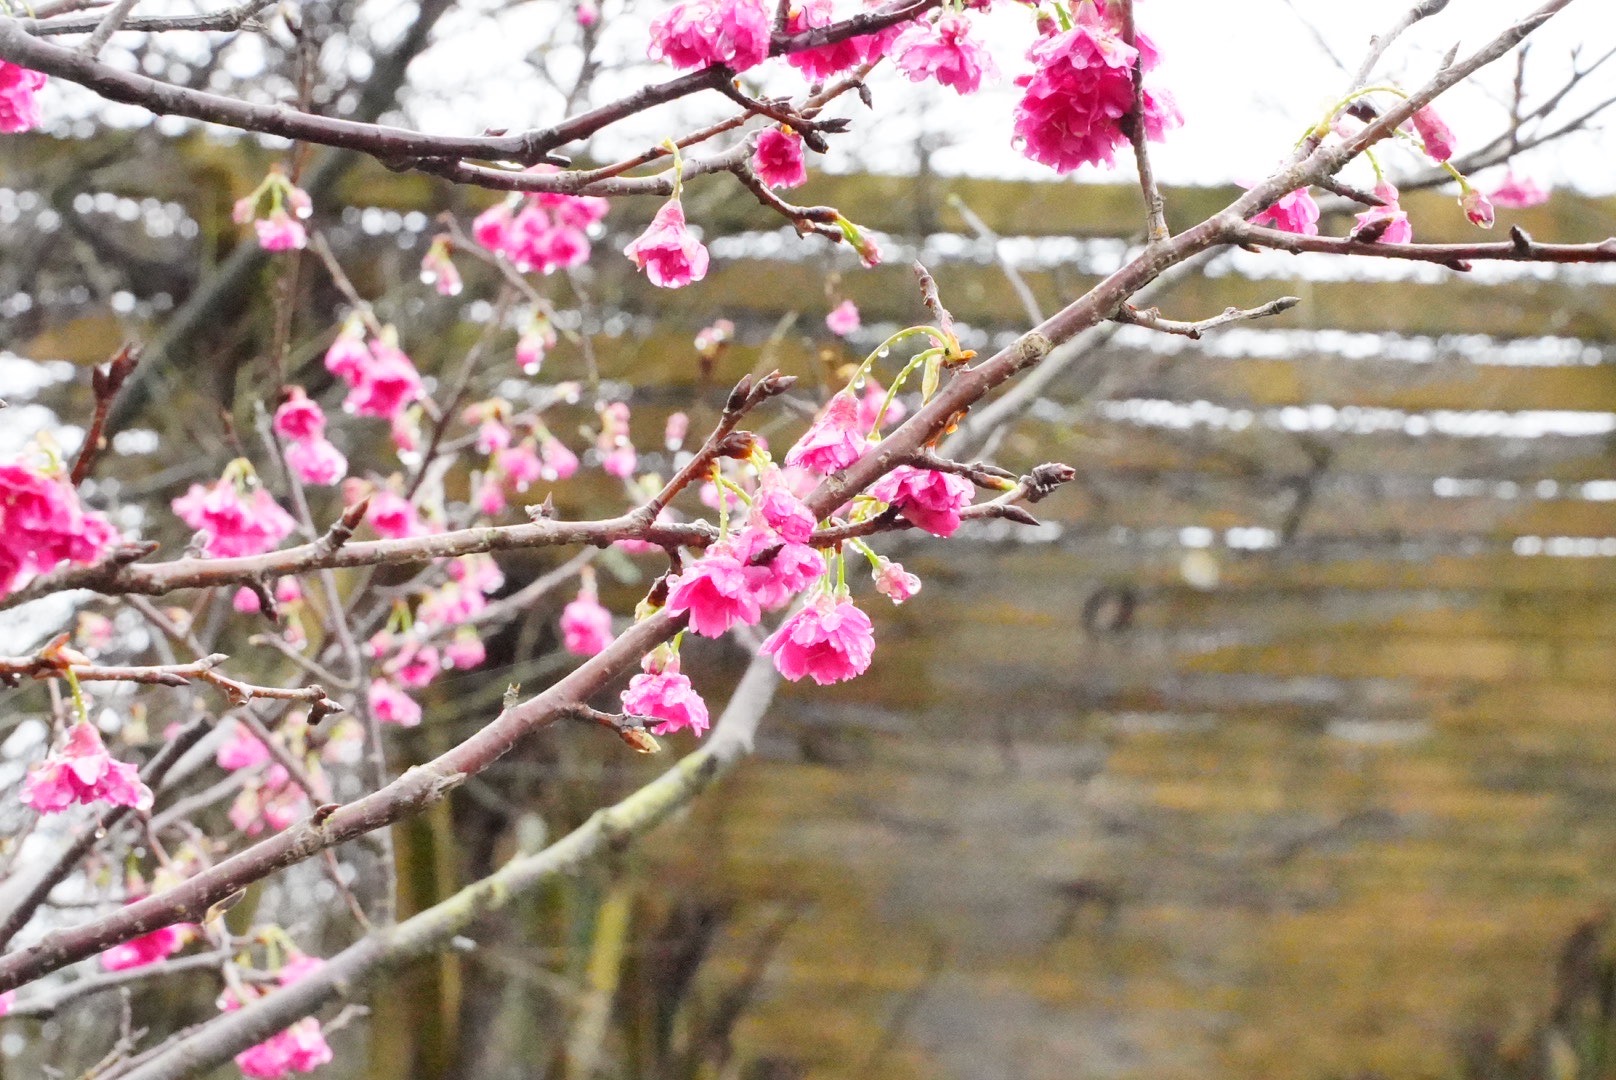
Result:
x=543 y=233
x=43 y=524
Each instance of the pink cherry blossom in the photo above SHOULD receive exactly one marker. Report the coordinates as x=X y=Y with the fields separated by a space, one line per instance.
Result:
x=674 y=432
x=19 y=105
x=586 y=13
x=1295 y=212
x=1073 y=103
x=716 y=591
x=242 y=750
x=668 y=697
x=824 y=61
x=697 y=33
x=782 y=510
x=1477 y=207
x=779 y=577
x=778 y=158
x=246 y=602
x=520 y=465
x=586 y=626
x=233 y=524
x=843 y=318
x=829 y=640
x=299 y=416
x=316 y=461
x=299 y=1048
x=833 y=441
x=490 y=496
x=667 y=251
x=479 y=572
x=536 y=341
x=394 y=517
x=559 y=462
x=944 y=52
x=451 y=604
x=82 y=771
x=928 y=498
x=42 y=524
x=392 y=705
x=1434 y=133
x=280 y=231
x=160 y=944
x=386 y=385
x=348 y=356
x=438 y=268
x=1519 y=193
x=893 y=581
x=1387 y=224
x=416 y=665
x=465 y=651
x=269 y=801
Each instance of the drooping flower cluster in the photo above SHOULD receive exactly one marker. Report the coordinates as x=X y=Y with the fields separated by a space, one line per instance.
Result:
x=43 y=525
x=668 y=251
x=19 y=102
x=281 y=228
x=309 y=454
x=699 y=33
x=382 y=380
x=234 y=516
x=82 y=771
x=824 y=61
x=544 y=232
x=1073 y=102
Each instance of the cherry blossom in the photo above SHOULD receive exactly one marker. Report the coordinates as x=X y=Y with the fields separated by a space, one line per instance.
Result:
x=663 y=694
x=231 y=522
x=1386 y=224
x=843 y=318
x=717 y=593
x=82 y=771
x=586 y=626
x=392 y=705
x=667 y=251
x=697 y=33
x=928 y=498
x=1434 y=133
x=1519 y=192
x=893 y=581
x=1294 y=212
x=42 y=525
x=944 y=52
x=778 y=158
x=19 y=104
x=830 y=640
x=833 y=441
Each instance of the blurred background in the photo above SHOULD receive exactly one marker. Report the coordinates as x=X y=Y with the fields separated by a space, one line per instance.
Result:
x=1282 y=748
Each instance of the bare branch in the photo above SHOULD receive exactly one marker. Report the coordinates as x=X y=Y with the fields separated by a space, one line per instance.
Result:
x=1152 y=319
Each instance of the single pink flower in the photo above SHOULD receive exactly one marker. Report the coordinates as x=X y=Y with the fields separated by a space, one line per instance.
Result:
x=893 y=581
x=829 y=640
x=242 y=750
x=777 y=579
x=832 y=442
x=668 y=697
x=674 y=432
x=438 y=268
x=300 y=1048
x=490 y=496
x=782 y=510
x=299 y=416
x=667 y=251
x=246 y=602
x=778 y=158
x=620 y=461
x=348 y=356
x=1477 y=207
x=19 y=104
x=697 y=33
x=559 y=462
x=488 y=228
x=394 y=517
x=1434 y=133
x=82 y=771
x=232 y=524
x=843 y=318
x=1073 y=103
x=42 y=524
x=160 y=944
x=1387 y=224
x=451 y=604
x=944 y=52
x=1295 y=212
x=316 y=461
x=416 y=665
x=586 y=626
x=392 y=705
x=929 y=498
x=716 y=591
x=1519 y=193
x=280 y=231
x=466 y=651
x=520 y=465
x=536 y=341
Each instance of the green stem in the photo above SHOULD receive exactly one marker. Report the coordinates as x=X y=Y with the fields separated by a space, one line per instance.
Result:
x=79 y=707
x=892 y=391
